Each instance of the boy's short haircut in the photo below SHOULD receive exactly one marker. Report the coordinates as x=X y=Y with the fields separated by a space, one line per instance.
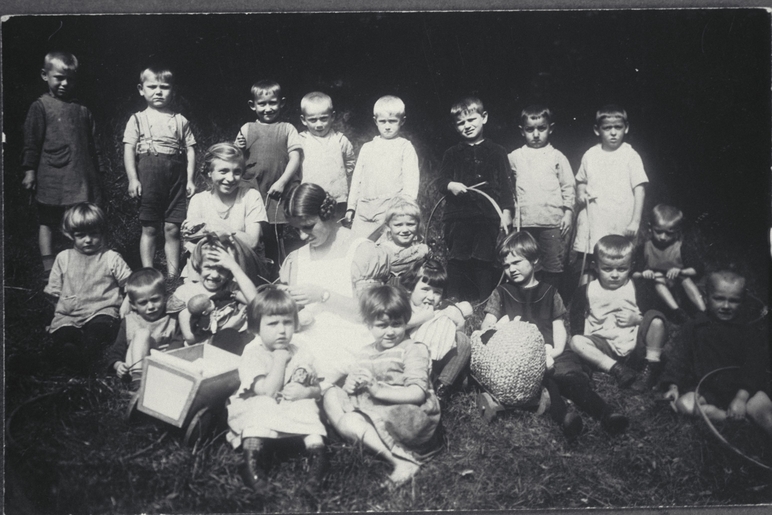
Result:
x=147 y=277
x=403 y=206
x=466 y=105
x=66 y=58
x=266 y=86
x=389 y=104
x=84 y=217
x=610 y=111
x=316 y=98
x=429 y=271
x=613 y=246
x=162 y=74
x=521 y=243
x=270 y=300
x=534 y=112
x=665 y=214
x=724 y=274
x=384 y=300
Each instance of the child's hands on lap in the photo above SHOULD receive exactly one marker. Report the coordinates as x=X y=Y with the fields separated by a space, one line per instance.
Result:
x=649 y=275
x=627 y=318
x=673 y=273
x=294 y=392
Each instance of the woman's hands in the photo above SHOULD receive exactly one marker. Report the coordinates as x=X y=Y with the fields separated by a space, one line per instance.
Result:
x=304 y=294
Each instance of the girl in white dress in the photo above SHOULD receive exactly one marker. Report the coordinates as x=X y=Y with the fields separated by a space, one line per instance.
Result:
x=272 y=401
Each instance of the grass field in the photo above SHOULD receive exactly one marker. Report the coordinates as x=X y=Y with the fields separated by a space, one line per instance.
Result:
x=69 y=449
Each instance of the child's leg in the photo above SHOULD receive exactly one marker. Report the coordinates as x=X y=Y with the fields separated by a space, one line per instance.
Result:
x=665 y=294
x=147 y=243
x=98 y=334
x=587 y=350
x=455 y=361
x=254 y=463
x=759 y=409
x=355 y=428
x=172 y=248
x=693 y=293
x=45 y=235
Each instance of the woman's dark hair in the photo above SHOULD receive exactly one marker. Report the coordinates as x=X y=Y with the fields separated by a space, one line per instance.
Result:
x=308 y=200
x=429 y=271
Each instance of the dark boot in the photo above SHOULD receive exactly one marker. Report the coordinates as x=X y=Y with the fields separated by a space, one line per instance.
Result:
x=318 y=465
x=623 y=374
x=572 y=425
x=614 y=423
x=648 y=376
x=254 y=472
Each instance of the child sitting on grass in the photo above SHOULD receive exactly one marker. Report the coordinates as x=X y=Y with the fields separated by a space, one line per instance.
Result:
x=722 y=337
x=160 y=160
x=222 y=278
x=86 y=282
x=387 y=167
x=272 y=149
x=268 y=404
x=328 y=156
x=442 y=330
x=61 y=155
x=544 y=191
x=387 y=402
x=400 y=239
x=610 y=333
x=148 y=326
x=539 y=303
x=667 y=258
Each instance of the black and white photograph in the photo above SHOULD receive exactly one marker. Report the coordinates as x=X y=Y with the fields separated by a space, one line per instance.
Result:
x=389 y=261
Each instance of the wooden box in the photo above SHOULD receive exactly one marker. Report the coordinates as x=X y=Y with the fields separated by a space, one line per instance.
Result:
x=178 y=383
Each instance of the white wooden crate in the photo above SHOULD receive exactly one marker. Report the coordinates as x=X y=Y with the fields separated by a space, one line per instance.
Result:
x=176 y=384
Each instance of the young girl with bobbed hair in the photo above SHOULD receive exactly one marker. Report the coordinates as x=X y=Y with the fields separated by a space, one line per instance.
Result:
x=86 y=283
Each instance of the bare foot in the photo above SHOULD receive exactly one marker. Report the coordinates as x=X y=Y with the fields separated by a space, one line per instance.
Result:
x=403 y=471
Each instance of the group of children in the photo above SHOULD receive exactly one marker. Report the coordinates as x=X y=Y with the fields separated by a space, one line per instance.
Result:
x=421 y=350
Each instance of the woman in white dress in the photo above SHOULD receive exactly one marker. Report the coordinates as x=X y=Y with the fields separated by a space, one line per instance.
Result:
x=325 y=277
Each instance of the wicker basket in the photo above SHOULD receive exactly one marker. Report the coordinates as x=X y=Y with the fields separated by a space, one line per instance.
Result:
x=512 y=365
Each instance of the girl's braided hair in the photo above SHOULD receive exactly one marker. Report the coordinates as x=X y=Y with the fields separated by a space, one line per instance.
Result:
x=308 y=200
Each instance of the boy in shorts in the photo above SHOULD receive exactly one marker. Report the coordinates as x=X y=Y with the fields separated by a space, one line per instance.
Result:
x=722 y=337
x=160 y=162
x=328 y=156
x=544 y=191
x=610 y=332
x=61 y=155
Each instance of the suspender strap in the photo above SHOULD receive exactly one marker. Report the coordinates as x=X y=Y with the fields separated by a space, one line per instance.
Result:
x=145 y=137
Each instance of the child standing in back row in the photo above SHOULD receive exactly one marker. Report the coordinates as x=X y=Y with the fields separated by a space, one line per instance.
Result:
x=328 y=156
x=160 y=161
x=387 y=167
x=61 y=155
x=610 y=184
x=544 y=191
x=472 y=224
x=272 y=150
